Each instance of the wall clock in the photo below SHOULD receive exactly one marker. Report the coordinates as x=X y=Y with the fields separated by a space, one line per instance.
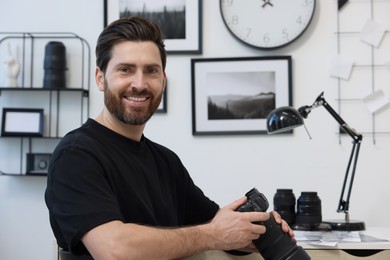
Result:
x=267 y=24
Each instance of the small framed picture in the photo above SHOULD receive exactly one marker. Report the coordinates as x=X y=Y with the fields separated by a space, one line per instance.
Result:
x=22 y=122
x=235 y=95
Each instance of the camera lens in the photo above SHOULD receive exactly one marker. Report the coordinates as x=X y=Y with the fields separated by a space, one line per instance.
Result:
x=309 y=209
x=273 y=244
x=284 y=204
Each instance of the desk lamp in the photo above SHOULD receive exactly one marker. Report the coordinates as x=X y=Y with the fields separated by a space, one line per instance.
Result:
x=286 y=118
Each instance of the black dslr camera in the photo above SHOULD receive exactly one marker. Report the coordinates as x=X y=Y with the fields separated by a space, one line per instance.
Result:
x=274 y=244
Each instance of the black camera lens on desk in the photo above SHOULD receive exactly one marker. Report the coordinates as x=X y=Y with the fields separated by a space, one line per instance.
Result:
x=309 y=213
x=274 y=244
x=284 y=204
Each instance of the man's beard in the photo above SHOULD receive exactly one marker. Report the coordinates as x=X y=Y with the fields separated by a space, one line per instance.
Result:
x=135 y=116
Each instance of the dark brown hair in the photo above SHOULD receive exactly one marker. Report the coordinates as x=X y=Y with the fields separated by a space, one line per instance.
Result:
x=132 y=28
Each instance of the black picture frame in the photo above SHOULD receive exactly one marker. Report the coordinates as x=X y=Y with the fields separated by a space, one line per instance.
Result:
x=235 y=95
x=163 y=107
x=22 y=122
x=192 y=41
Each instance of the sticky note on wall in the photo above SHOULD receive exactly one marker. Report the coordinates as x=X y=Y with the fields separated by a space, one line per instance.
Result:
x=376 y=101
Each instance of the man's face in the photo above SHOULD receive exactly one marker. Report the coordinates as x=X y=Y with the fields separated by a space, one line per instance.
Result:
x=134 y=82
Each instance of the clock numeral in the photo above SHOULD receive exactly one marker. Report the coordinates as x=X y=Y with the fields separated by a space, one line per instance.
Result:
x=235 y=20
x=266 y=38
x=285 y=33
x=248 y=32
x=306 y=3
x=299 y=20
x=228 y=2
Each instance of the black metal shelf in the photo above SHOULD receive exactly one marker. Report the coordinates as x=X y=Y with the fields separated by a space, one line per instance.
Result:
x=69 y=89
x=23 y=175
x=29 y=42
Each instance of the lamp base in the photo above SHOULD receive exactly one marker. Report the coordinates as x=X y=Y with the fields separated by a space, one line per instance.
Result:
x=311 y=227
x=346 y=225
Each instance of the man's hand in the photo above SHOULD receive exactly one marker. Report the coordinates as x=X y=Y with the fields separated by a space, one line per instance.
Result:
x=234 y=230
x=285 y=227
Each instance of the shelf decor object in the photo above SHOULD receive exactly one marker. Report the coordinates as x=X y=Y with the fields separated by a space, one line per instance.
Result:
x=22 y=122
x=55 y=65
x=37 y=163
x=286 y=118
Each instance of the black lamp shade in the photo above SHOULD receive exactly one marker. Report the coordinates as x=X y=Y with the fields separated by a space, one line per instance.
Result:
x=283 y=119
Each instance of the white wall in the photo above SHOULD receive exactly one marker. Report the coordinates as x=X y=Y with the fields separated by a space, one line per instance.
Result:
x=225 y=167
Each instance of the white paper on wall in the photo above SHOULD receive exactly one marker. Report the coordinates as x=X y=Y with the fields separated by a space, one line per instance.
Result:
x=372 y=33
x=387 y=65
x=376 y=101
x=341 y=66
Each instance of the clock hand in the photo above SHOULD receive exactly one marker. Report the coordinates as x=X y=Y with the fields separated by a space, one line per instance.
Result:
x=267 y=2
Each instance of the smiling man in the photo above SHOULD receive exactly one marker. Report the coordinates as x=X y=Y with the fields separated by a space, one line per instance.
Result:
x=133 y=83
x=114 y=194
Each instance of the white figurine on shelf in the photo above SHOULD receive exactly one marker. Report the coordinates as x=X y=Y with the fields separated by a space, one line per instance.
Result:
x=12 y=65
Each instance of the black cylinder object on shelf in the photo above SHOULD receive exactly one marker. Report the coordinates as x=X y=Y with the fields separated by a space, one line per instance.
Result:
x=55 y=65
x=284 y=204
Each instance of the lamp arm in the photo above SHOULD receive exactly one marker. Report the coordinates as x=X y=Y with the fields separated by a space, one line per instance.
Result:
x=343 y=205
x=352 y=132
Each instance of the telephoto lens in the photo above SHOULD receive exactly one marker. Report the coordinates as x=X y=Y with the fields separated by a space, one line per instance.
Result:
x=284 y=204
x=274 y=244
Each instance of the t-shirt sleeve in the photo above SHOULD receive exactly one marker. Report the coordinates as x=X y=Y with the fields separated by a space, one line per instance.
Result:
x=199 y=208
x=81 y=197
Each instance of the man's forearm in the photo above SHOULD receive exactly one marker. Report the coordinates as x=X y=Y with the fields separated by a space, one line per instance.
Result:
x=228 y=230
x=116 y=240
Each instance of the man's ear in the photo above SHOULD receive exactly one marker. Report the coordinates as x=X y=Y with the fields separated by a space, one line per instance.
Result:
x=99 y=77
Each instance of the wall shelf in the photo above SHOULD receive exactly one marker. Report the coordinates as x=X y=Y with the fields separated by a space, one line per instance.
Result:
x=31 y=93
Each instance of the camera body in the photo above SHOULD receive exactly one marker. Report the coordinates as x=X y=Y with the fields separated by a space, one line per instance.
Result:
x=274 y=244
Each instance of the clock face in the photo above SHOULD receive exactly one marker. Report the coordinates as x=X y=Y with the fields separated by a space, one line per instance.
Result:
x=267 y=24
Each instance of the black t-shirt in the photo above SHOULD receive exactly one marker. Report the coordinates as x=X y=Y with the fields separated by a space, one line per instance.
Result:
x=96 y=176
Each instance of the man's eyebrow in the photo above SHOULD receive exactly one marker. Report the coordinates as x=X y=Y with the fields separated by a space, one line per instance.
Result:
x=154 y=65
x=125 y=64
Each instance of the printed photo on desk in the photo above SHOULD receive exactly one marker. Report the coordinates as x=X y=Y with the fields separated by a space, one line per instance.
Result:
x=235 y=95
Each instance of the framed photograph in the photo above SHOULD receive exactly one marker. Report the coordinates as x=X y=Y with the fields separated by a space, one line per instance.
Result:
x=163 y=105
x=235 y=95
x=179 y=20
x=22 y=122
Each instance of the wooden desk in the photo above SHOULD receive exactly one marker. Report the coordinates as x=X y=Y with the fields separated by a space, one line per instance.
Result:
x=344 y=251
